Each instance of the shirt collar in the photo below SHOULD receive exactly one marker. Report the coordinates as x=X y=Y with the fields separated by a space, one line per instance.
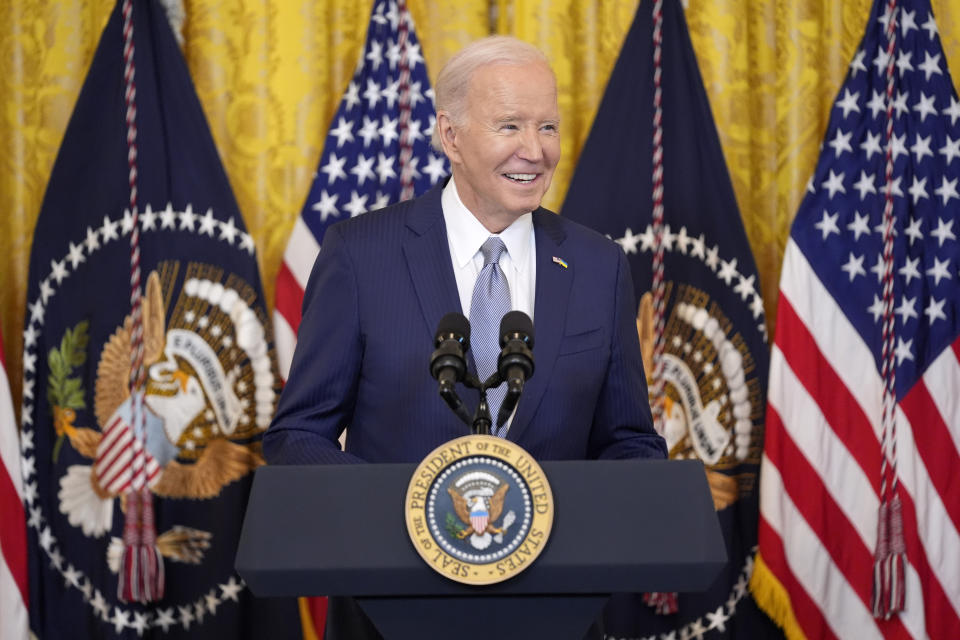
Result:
x=466 y=234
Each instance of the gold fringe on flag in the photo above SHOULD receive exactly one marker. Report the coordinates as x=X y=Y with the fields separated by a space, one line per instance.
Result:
x=772 y=598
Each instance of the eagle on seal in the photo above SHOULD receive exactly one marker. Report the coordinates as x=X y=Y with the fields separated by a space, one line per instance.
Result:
x=474 y=512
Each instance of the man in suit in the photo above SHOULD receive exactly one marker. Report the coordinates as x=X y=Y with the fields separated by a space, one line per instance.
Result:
x=383 y=281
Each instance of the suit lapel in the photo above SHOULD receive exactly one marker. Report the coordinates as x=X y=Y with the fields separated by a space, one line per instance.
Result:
x=550 y=310
x=428 y=258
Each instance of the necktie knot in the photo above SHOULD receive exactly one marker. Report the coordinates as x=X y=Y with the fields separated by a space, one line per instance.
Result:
x=492 y=249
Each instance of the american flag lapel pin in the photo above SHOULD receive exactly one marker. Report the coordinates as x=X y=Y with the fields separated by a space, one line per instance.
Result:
x=561 y=262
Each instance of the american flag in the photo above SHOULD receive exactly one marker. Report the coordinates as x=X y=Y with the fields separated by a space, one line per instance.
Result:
x=13 y=524
x=363 y=166
x=821 y=473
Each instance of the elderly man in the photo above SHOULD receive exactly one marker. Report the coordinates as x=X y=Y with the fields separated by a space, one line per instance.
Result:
x=480 y=244
x=384 y=280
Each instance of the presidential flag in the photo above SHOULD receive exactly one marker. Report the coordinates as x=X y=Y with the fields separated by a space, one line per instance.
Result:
x=856 y=316
x=377 y=152
x=211 y=381
x=714 y=354
x=13 y=527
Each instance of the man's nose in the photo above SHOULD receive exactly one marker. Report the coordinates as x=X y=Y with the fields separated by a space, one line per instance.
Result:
x=531 y=147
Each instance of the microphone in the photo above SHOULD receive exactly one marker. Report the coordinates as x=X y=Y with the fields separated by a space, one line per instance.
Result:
x=448 y=363
x=515 y=364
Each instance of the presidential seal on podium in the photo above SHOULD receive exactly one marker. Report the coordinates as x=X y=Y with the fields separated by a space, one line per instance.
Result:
x=479 y=509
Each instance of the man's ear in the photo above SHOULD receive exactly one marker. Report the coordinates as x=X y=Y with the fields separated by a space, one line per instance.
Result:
x=448 y=136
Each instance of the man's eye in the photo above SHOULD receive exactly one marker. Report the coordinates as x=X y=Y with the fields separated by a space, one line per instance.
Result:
x=509 y=127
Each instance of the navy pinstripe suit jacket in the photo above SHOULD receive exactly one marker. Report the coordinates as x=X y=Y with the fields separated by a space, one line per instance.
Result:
x=378 y=289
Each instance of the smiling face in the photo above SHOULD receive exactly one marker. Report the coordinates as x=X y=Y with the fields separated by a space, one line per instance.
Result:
x=504 y=153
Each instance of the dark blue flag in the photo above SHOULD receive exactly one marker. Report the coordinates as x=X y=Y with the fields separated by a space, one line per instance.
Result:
x=211 y=380
x=715 y=355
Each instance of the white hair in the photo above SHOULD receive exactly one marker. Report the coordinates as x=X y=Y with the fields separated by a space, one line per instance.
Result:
x=453 y=83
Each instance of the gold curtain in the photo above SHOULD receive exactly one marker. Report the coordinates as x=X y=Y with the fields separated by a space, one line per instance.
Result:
x=271 y=72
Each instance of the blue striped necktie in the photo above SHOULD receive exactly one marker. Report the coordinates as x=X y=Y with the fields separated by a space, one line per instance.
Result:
x=491 y=301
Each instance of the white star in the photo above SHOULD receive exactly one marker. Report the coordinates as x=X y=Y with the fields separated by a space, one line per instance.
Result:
x=925 y=106
x=230 y=590
x=375 y=55
x=126 y=225
x=212 y=601
x=953 y=110
x=876 y=308
x=904 y=350
x=898 y=145
x=391 y=93
x=58 y=270
x=918 y=189
x=334 y=168
x=841 y=143
x=931 y=65
x=879 y=268
x=99 y=604
x=357 y=204
x=854 y=267
x=369 y=131
x=860 y=225
x=385 y=168
x=647 y=239
x=76 y=255
x=877 y=104
x=148 y=220
x=228 y=230
x=885 y=18
x=327 y=205
x=947 y=190
x=857 y=65
x=849 y=101
x=909 y=269
x=388 y=131
x=667 y=238
x=944 y=231
x=246 y=242
x=413 y=58
x=208 y=224
x=29 y=365
x=140 y=622
x=718 y=619
x=756 y=307
x=364 y=168
x=352 y=97
x=696 y=630
x=908 y=22
x=382 y=200
x=871 y=145
x=713 y=258
x=931 y=26
x=164 y=619
x=865 y=184
x=343 y=132
x=108 y=230
x=413 y=131
x=120 y=619
x=186 y=616
x=828 y=224
x=921 y=147
x=934 y=310
x=30 y=491
x=951 y=150
x=913 y=229
x=882 y=60
x=698 y=245
x=372 y=93
x=903 y=61
x=728 y=270
x=683 y=240
x=187 y=218
x=199 y=610
x=435 y=169
x=900 y=103
x=393 y=53
x=894 y=186
x=29 y=336
x=939 y=270
x=745 y=287
x=629 y=241
x=36 y=518
x=410 y=171
x=168 y=219
x=36 y=312
x=92 y=241
x=834 y=183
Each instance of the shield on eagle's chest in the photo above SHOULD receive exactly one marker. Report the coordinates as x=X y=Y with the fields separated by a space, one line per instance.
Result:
x=479 y=518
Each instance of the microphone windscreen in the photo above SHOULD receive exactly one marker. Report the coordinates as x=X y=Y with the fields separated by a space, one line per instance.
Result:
x=516 y=322
x=457 y=324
